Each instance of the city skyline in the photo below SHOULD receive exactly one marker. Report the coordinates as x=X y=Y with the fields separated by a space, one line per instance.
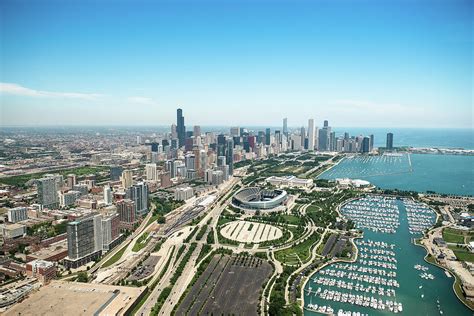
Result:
x=237 y=157
x=394 y=64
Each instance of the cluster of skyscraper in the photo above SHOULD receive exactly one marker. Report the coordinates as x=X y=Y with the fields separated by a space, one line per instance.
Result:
x=313 y=138
x=187 y=155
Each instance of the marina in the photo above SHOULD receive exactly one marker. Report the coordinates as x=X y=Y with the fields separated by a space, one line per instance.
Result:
x=389 y=275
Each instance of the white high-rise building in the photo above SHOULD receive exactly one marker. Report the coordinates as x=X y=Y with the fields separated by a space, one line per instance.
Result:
x=151 y=172
x=110 y=230
x=183 y=194
x=296 y=142
x=311 y=135
x=97 y=232
x=174 y=134
x=127 y=179
x=108 y=195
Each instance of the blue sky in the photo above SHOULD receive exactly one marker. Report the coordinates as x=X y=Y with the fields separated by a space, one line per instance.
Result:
x=355 y=63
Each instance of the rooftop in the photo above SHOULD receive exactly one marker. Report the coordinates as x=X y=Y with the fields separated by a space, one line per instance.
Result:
x=67 y=298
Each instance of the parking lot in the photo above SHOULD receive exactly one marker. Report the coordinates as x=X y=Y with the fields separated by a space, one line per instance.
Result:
x=229 y=285
x=145 y=269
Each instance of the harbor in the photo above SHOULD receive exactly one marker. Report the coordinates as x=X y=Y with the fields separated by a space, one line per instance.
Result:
x=389 y=275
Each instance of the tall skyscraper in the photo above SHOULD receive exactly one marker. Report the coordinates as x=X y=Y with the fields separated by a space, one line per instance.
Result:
x=89 y=236
x=138 y=193
x=285 y=126
x=261 y=137
x=371 y=142
x=365 y=144
x=267 y=136
x=180 y=128
x=127 y=179
x=197 y=130
x=326 y=123
x=332 y=141
x=323 y=139
x=110 y=230
x=126 y=211
x=230 y=156
x=174 y=133
x=221 y=145
x=278 y=138
x=107 y=195
x=311 y=135
x=389 y=141
x=84 y=240
x=151 y=172
x=303 y=136
x=48 y=191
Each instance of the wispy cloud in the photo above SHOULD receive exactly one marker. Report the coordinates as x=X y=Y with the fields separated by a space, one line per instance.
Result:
x=142 y=100
x=16 y=89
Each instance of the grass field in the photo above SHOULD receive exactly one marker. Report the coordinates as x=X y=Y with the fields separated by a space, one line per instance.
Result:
x=291 y=219
x=116 y=257
x=141 y=242
x=453 y=236
x=462 y=253
x=21 y=180
x=223 y=221
x=291 y=259
x=302 y=251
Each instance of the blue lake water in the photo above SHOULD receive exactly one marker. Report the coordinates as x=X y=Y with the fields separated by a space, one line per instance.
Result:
x=417 y=137
x=448 y=174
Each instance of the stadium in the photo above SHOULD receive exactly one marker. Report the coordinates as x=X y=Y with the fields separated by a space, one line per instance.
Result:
x=259 y=199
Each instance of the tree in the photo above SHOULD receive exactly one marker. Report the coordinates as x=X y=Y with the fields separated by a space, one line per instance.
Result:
x=82 y=277
x=161 y=219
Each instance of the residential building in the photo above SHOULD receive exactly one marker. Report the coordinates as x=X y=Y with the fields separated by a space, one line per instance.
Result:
x=69 y=198
x=48 y=191
x=17 y=214
x=138 y=193
x=183 y=193
x=126 y=212
x=108 y=197
x=127 y=179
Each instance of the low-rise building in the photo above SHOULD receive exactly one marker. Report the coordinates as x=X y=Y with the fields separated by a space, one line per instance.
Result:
x=356 y=183
x=44 y=271
x=13 y=230
x=290 y=181
x=54 y=252
x=17 y=214
x=439 y=242
x=69 y=198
